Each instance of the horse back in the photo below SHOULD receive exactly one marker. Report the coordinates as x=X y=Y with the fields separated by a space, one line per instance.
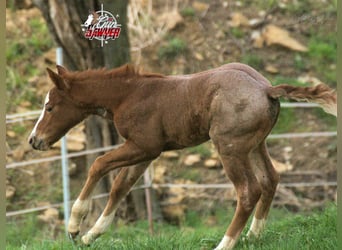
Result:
x=178 y=111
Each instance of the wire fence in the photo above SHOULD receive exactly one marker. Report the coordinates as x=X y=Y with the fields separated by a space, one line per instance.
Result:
x=171 y=185
x=13 y=118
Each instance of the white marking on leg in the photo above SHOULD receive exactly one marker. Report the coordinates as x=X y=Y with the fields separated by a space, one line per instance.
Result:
x=226 y=243
x=257 y=227
x=78 y=211
x=47 y=99
x=101 y=225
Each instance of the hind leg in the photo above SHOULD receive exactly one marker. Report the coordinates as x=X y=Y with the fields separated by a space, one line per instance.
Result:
x=268 y=178
x=238 y=169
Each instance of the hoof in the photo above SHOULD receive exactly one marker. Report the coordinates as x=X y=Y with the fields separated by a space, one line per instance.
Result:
x=252 y=235
x=73 y=235
x=87 y=239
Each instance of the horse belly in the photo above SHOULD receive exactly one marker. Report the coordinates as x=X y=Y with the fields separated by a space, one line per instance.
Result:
x=186 y=132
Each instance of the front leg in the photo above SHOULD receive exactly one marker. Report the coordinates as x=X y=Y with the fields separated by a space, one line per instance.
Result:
x=126 y=155
x=122 y=184
x=78 y=212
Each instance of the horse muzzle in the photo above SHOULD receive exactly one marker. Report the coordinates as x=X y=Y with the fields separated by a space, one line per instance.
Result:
x=38 y=143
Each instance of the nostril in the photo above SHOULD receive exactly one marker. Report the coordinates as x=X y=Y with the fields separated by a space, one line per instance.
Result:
x=31 y=140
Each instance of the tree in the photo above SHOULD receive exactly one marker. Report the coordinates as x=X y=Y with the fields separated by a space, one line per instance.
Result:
x=64 y=19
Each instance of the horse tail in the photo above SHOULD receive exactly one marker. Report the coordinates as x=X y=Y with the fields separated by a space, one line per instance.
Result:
x=320 y=94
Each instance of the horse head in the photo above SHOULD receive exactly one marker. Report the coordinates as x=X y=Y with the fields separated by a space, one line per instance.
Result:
x=60 y=113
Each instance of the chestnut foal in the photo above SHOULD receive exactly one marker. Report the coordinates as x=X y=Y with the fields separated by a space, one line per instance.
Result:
x=233 y=105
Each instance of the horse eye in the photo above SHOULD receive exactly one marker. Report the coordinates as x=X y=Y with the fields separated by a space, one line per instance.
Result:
x=48 y=109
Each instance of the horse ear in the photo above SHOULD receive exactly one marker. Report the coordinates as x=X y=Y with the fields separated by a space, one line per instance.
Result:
x=61 y=70
x=59 y=82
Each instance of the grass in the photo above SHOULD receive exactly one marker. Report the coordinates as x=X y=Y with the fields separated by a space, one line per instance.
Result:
x=322 y=55
x=329 y=120
x=315 y=231
x=24 y=49
x=201 y=149
x=253 y=60
x=284 y=231
x=299 y=62
x=187 y=173
x=324 y=50
x=174 y=47
x=237 y=32
x=19 y=129
x=188 y=12
x=286 y=122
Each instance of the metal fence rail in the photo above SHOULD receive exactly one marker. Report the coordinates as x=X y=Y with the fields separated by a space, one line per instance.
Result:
x=58 y=157
x=13 y=118
x=171 y=185
x=103 y=149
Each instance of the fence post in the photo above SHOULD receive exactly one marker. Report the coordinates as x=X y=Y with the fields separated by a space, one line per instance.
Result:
x=147 y=184
x=64 y=159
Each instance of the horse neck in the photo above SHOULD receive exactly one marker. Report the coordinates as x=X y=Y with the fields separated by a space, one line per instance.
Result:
x=102 y=92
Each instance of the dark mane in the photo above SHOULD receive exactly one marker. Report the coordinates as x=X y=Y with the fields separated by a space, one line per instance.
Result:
x=127 y=70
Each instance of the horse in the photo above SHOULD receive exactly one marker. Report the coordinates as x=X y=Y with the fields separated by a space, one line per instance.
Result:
x=233 y=105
